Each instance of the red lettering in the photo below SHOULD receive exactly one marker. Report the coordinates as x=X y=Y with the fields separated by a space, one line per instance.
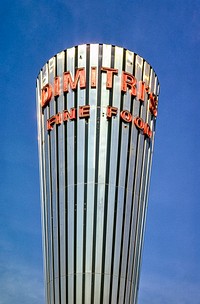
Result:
x=111 y=111
x=141 y=125
x=126 y=116
x=110 y=73
x=84 y=111
x=147 y=130
x=141 y=91
x=67 y=80
x=69 y=115
x=56 y=86
x=56 y=119
x=129 y=81
x=46 y=95
x=147 y=89
x=153 y=103
x=93 y=79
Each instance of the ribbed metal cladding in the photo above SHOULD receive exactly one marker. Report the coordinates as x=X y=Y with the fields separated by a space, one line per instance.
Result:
x=94 y=174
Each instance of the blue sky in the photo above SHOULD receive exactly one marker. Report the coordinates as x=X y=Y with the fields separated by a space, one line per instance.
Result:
x=167 y=34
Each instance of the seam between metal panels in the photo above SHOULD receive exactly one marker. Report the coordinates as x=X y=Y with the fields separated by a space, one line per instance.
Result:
x=57 y=198
x=75 y=180
x=109 y=130
x=96 y=172
x=85 y=176
x=66 y=179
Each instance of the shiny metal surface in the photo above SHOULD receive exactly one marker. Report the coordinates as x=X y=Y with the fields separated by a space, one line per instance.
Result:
x=94 y=175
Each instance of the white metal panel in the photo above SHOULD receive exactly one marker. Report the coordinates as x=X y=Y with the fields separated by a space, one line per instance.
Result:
x=41 y=153
x=91 y=157
x=54 y=185
x=70 y=57
x=81 y=95
x=106 y=61
x=60 y=61
x=50 y=273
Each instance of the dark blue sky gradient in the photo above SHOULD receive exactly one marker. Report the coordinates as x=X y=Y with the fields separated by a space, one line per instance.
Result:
x=167 y=34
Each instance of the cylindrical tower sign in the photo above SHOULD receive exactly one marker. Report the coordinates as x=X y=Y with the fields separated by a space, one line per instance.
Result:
x=97 y=108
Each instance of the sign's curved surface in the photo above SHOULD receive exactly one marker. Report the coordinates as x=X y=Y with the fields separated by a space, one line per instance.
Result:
x=97 y=108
